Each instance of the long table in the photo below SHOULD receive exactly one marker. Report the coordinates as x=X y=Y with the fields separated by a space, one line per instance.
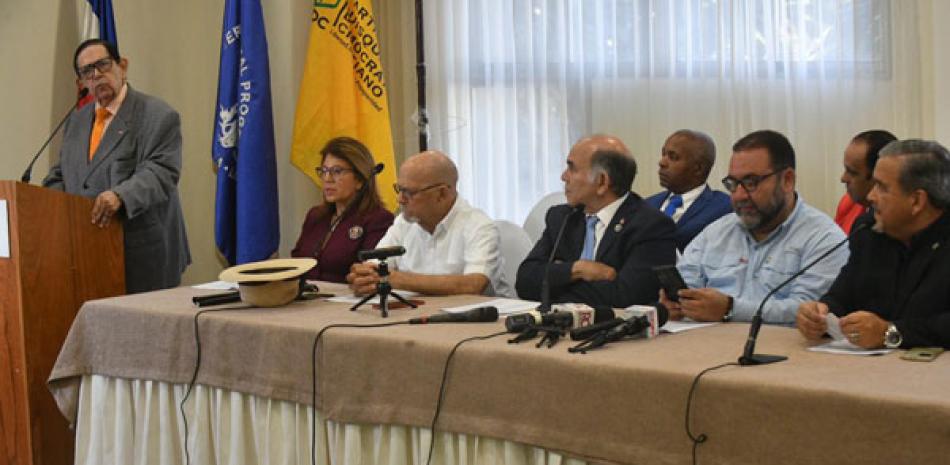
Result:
x=625 y=403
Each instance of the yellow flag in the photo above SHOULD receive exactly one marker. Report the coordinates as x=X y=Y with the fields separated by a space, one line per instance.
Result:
x=343 y=91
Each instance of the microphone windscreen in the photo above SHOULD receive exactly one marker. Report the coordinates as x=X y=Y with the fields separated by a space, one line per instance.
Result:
x=378 y=168
x=83 y=93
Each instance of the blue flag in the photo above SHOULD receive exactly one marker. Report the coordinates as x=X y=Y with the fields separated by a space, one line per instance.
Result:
x=246 y=224
x=103 y=11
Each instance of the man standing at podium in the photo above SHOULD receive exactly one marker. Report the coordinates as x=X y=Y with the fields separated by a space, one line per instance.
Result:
x=125 y=151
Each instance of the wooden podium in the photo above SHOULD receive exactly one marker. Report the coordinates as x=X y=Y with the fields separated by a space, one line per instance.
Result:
x=58 y=259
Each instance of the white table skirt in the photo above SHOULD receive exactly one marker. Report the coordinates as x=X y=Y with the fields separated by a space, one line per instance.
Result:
x=137 y=422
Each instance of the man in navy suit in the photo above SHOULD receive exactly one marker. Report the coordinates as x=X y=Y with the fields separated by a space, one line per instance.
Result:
x=687 y=158
x=611 y=238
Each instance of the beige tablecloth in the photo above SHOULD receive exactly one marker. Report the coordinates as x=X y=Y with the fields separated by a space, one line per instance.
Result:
x=625 y=403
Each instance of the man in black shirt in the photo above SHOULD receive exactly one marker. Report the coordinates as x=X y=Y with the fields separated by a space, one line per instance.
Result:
x=895 y=289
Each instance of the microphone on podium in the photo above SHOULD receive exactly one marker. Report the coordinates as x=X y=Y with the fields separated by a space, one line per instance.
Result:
x=29 y=169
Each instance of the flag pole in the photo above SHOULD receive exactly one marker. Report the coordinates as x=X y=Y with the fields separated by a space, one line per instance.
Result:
x=423 y=122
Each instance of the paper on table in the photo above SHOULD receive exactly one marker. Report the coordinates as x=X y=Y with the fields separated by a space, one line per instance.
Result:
x=843 y=346
x=4 y=231
x=353 y=299
x=216 y=286
x=504 y=306
x=840 y=344
x=683 y=325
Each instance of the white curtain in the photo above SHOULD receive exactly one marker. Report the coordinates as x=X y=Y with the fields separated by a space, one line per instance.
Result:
x=512 y=84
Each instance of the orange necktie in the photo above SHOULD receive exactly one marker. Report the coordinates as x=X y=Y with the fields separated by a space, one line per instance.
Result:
x=97 y=129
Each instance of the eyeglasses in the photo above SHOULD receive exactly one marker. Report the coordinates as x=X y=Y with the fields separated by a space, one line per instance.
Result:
x=103 y=65
x=333 y=171
x=410 y=193
x=750 y=183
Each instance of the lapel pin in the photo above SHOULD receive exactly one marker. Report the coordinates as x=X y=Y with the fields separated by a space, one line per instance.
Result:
x=356 y=232
x=619 y=225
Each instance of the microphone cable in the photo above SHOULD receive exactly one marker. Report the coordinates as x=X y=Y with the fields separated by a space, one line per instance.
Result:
x=445 y=375
x=313 y=376
x=194 y=376
x=701 y=437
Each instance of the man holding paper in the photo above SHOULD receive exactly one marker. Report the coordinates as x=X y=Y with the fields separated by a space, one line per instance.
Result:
x=893 y=291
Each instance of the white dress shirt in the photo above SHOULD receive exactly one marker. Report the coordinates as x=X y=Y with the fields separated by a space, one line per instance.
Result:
x=688 y=198
x=604 y=216
x=464 y=242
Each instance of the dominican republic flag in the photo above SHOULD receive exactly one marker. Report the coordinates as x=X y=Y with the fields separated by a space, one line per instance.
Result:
x=246 y=227
x=98 y=22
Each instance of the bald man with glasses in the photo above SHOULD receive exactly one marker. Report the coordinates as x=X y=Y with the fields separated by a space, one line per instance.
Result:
x=451 y=247
x=125 y=152
x=772 y=234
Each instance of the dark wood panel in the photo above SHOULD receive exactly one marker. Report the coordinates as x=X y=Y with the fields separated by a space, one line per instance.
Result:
x=14 y=407
x=62 y=260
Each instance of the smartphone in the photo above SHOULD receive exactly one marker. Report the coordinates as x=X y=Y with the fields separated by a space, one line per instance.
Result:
x=922 y=354
x=670 y=280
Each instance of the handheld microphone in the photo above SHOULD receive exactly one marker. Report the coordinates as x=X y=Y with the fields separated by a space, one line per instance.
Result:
x=475 y=315
x=564 y=316
x=545 y=305
x=29 y=169
x=381 y=253
x=748 y=354
x=638 y=324
x=581 y=334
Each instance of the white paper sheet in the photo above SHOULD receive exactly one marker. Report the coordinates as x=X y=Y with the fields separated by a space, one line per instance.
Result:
x=216 y=286
x=840 y=344
x=834 y=327
x=683 y=325
x=504 y=306
x=844 y=347
x=4 y=231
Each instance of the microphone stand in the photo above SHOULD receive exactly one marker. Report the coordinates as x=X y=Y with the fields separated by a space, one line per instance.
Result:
x=29 y=169
x=383 y=290
x=749 y=357
x=545 y=304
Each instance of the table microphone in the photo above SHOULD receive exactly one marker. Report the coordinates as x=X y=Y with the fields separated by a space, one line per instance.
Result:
x=545 y=305
x=29 y=169
x=381 y=253
x=475 y=315
x=636 y=324
x=581 y=334
x=748 y=354
x=561 y=318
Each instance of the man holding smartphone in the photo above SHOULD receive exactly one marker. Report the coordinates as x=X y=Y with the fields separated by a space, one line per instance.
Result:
x=738 y=259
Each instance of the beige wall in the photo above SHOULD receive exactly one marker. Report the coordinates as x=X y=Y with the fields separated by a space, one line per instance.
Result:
x=173 y=48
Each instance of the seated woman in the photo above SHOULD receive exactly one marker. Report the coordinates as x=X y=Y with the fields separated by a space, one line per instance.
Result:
x=351 y=217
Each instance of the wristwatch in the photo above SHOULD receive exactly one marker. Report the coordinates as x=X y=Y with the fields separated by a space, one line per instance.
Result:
x=728 y=316
x=892 y=337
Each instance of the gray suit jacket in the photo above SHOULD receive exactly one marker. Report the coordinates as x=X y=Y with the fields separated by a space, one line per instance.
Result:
x=138 y=158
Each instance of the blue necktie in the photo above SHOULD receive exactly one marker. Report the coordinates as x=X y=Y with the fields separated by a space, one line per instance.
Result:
x=590 y=238
x=676 y=201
